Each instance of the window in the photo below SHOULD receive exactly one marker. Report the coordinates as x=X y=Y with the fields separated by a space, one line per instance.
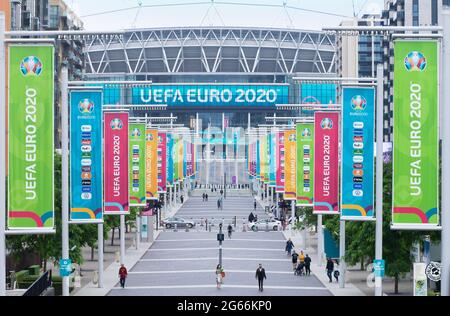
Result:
x=415 y=13
x=54 y=17
x=434 y=12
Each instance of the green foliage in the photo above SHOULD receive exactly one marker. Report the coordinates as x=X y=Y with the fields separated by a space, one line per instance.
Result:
x=308 y=219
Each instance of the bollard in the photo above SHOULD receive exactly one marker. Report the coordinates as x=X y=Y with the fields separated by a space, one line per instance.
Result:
x=187 y=229
x=235 y=221
x=244 y=227
x=209 y=227
x=175 y=228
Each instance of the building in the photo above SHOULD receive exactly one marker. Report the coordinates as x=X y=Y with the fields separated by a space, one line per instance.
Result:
x=225 y=79
x=404 y=13
x=34 y=15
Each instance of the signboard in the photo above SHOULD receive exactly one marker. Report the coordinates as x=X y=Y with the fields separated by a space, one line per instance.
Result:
x=357 y=175
x=420 y=280
x=326 y=163
x=170 y=162
x=258 y=159
x=273 y=158
x=137 y=164
x=162 y=162
x=116 y=181
x=30 y=137
x=152 y=164
x=305 y=164
x=65 y=267
x=379 y=268
x=86 y=176
x=290 y=165
x=416 y=134
x=218 y=95
x=280 y=163
x=433 y=271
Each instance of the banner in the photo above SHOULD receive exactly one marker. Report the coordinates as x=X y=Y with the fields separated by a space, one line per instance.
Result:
x=162 y=162
x=267 y=146
x=86 y=176
x=258 y=159
x=326 y=163
x=305 y=164
x=170 y=162
x=273 y=158
x=262 y=157
x=116 y=176
x=137 y=164
x=151 y=165
x=30 y=138
x=358 y=135
x=416 y=134
x=280 y=163
x=176 y=158
x=290 y=165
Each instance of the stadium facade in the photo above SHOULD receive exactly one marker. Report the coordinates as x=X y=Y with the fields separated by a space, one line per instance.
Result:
x=218 y=81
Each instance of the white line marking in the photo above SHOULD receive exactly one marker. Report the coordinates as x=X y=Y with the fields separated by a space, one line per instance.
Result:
x=208 y=271
x=215 y=240
x=215 y=258
x=273 y=287
x=215 y=248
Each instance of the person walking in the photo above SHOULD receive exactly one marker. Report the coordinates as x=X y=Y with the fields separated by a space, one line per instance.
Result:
x=260 y=276
x=289 y=246
x=220 y=274
x=330 y=269
x=254 y=205
x=294 y=260
x=336 y=272
x=218 y=204
x=206 y=196
x=203 y=196
x=251 y=218
x=123 y=273
x=230 y=230
x=182 y=199
x=307 y=265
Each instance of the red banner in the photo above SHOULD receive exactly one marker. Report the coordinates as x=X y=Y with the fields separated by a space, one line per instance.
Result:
x=116 y=176
x=280 y=163
x=326 y=163
x=162 y=162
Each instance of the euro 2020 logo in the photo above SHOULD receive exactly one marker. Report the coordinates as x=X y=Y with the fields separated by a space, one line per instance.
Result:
x=326 y=123
x=359 y=103
x=136 y=133
x=293 y=137
x=86 y=106
x=415 y=61
x=306 y=132
x=31 y=66
x=116 y=124
x=149 y=137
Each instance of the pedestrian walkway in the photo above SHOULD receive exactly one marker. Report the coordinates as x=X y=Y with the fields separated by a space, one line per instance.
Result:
x=183 y=263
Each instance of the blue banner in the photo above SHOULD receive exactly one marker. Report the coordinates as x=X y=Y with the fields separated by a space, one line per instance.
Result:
x=170 y=154
x=86 y=155
x=211 y=95
x=358 y=122
x=273 y=159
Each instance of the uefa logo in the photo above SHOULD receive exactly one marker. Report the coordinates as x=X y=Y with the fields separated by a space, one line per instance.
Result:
x=160 y=140
x=86 y=106
x=293 y=138
x=415 y=61
x=359 y=103
x=116 y=124
x=136 y=133
x=31 y=66
x=306 y=132
x=326 y=123
x=149 y=137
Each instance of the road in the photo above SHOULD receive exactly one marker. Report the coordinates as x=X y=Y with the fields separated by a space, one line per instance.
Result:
x=183 y=263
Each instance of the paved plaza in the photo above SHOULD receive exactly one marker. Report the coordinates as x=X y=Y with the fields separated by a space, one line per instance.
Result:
x=183 y=263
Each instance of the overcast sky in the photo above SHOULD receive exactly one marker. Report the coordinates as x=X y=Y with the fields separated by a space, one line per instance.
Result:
x=202 y=13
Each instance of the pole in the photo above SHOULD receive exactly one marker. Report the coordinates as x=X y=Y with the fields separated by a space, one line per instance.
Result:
x=100 y=255
x=138 y=231
x=2 y=156
x=379 y=181
x=220 y=245
x=65 y=171
x=319 y=240
x=122 y=239
x=342 y=254
x=445 y=244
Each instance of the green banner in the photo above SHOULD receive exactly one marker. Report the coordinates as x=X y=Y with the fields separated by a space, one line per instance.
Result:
x=176 y=160
x=137 y=164
x=305 y=164
x=416 y=134
x=31 y=128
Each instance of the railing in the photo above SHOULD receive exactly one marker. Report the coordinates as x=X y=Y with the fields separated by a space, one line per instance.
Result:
x=40 y=285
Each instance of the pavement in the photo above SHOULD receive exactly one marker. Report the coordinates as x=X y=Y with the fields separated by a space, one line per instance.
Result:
x=183 y=263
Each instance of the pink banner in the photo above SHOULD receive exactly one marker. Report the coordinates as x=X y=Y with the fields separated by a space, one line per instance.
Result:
x=162 y=162
x=280 y=163
x=326 y=163
x=115 y=161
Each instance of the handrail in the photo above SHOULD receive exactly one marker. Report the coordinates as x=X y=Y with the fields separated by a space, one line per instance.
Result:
x=40 y=285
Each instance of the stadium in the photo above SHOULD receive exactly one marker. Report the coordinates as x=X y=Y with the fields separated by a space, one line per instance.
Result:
x=219 y=81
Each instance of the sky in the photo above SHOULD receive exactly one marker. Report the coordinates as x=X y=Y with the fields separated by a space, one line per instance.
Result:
x=186 y=13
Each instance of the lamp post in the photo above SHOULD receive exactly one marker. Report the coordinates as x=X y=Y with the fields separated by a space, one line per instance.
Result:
x=220 y=238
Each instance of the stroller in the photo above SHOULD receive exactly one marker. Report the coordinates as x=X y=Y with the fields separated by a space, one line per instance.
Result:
x=300 y=269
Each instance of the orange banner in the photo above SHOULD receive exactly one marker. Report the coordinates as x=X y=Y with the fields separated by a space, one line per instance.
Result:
x=290 y=165
x=151 y=164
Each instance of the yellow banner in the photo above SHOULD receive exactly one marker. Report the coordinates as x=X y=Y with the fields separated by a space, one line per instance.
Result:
x=151 y=164
x=290 y=165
